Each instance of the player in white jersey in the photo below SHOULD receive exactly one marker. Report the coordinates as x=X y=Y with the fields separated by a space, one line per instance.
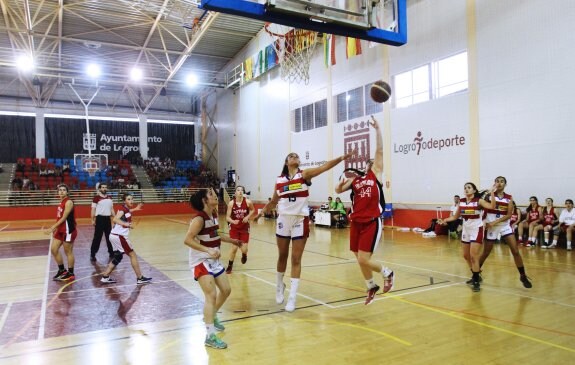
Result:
x=471 y=211
x=121 y=243
x=291 y=196
x=204 y=242
x=497 y=222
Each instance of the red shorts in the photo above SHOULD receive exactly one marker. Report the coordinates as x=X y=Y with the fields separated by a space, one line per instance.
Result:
x=63 y=237
x=365 y=236
x=243 y=236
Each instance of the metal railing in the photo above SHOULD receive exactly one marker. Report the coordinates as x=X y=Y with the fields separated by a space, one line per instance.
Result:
x=84 y=197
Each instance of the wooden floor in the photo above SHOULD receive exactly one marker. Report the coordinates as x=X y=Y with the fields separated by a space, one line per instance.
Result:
x=431 y=317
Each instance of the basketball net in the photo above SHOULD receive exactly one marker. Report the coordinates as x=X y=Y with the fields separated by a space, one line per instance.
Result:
x=294 y=49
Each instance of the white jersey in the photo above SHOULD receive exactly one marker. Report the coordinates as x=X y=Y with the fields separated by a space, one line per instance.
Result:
x=567 y=217
x=127 y=218
x=502 y=204
x=294 y=195
x=208 y=237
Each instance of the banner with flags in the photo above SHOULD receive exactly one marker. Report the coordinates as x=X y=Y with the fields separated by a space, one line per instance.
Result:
x=329 y=49
x=353 y=47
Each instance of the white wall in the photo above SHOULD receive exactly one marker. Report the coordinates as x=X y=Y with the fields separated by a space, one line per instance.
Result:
x=526 y=73
x=524 y=70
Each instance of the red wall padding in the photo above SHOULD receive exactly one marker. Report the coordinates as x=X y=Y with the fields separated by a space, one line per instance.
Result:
x=401 y=217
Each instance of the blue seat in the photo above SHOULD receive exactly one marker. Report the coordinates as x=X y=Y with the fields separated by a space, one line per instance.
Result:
x=388 y=212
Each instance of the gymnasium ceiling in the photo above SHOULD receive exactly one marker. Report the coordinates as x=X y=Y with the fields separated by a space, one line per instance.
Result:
x=158 y=36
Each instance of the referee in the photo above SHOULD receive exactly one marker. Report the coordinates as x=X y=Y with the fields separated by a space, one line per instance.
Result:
x=102 y=214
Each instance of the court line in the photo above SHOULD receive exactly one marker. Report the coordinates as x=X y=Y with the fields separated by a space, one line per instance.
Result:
x=486 y=287
x=3 y=228
x=299 y=294
x=384 y=334
x=42 y=324
x=490 y=326
x=391 y=296
x=5 y=316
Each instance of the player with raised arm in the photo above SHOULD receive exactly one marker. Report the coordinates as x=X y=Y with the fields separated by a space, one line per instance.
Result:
x=366 y=225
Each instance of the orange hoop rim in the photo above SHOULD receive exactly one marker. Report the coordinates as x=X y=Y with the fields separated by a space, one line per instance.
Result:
x=266 y=27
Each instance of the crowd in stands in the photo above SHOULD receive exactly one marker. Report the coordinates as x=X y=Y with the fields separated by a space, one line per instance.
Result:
x=170 y=174
x=45 y=174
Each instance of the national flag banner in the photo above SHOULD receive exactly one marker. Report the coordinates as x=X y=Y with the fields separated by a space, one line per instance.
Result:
x=353 y=47
x=329 y=49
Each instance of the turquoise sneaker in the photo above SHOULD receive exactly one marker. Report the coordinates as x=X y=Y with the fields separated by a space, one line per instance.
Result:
x=218 y=325
x=215 y=342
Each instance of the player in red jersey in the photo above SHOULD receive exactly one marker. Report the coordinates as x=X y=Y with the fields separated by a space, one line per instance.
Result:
x=549 y=221
x=240 y=211
x=532 y=219
x=515 y=217
x=365 y=228
x=498 y=223
x=291 y=195
x=471 y=211
x=64 y=235
x=204 y=242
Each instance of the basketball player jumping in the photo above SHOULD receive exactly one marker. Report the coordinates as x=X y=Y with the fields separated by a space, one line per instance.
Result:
x=368 y=204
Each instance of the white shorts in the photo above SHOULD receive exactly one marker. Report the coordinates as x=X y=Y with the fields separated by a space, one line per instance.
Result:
x=499 y=229
x=472 y=234
x=121 y=243
x=292 y=226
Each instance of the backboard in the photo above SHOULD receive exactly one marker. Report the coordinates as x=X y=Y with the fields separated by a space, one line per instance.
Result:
x=381 y=21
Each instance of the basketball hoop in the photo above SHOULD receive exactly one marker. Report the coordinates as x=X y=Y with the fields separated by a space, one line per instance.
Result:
x=294 y=49
x=91 y=170
x=90 y=163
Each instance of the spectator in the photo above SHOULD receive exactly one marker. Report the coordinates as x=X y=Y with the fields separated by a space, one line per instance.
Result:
x=454 y=226
x=531 y=220
x=549 y=220
x=341 y=216
x=566 y=224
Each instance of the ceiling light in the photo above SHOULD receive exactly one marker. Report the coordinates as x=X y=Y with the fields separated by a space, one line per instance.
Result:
x=136 y=74
x=93 y=70
x=191 y=80
x=25 y=63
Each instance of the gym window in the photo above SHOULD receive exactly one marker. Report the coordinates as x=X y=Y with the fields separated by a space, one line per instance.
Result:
x=431 y=81
x=310 y=116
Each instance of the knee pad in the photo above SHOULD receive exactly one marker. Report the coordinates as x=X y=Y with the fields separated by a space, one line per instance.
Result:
x=117 y=258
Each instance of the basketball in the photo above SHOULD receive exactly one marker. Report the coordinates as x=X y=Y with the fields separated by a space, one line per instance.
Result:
x=380 y=91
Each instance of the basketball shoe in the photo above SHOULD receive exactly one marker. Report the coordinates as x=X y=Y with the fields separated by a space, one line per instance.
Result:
x=371 y=294
x=388 y=282
x=280 y=293
x=215 y=342
x=143 y=280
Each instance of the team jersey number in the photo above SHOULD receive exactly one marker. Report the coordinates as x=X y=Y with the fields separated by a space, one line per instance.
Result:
x=365 y=192
x=291 y=198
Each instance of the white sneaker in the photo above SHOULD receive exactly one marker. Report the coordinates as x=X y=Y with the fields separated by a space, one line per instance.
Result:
x=290 y=306
x=280 y=294
x=553 y=245
x=107 y=280
x=568 y=247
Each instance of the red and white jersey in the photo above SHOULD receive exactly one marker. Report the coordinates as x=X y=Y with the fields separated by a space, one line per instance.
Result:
x=293 y=195
x=126 y=218
x=69 y=225
x=533 y=214
x=514 y=218
x=239 y=212
x=471 y=212
x=103 y=205
x=549 y=216
x=501 y=205
x=368 y=201
x=208 y=237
